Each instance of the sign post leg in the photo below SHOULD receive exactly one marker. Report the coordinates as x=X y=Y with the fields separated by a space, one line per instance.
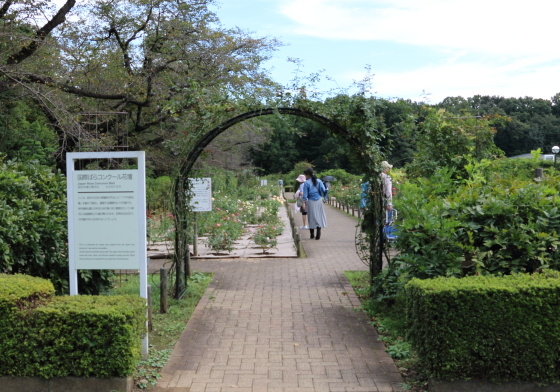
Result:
x=144 y=294
x=73 y=281
x=195 y=236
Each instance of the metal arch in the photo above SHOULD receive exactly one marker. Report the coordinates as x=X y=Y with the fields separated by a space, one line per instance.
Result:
x=182 y=267
x=210 y=136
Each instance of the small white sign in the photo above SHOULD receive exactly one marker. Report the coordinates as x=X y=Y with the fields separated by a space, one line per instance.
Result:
x=202 y=194
x=264 y=182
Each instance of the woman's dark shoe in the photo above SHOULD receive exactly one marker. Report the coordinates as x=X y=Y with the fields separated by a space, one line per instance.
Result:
x=318 y=233
x=312 y=231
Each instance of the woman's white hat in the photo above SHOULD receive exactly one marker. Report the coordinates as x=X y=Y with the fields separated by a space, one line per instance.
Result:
x=386 y=165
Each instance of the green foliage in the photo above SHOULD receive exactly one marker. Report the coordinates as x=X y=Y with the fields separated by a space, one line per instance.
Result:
x=499 y=328
x=25 y=130
x=495 y=220
x=17 y=290
x=265 y=236
x=220 y=241
x=148 y=372
x=159 y=193
x=491 y=222
x=342 y=177
x=295 y=139
x=33 y=227
x=533 y=123
x=447 y=141
x=81 y=336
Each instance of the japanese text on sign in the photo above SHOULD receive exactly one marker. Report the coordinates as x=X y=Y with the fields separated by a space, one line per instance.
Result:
x=106 y=219
x=202 y=194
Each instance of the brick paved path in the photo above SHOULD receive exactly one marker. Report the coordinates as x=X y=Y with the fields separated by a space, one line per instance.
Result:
x=283 y=325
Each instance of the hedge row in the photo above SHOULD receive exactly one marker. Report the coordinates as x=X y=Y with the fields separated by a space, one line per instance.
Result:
x=499 y=328
x=80 y=336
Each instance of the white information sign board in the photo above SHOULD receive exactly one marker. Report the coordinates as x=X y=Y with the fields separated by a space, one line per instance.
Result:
x=202 y=194
x=106 y=217
x=264 y=182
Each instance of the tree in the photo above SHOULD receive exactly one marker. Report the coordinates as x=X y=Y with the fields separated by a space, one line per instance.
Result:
x=444 y=140
x=534 y=123
x=164 y=63
x=26 y=134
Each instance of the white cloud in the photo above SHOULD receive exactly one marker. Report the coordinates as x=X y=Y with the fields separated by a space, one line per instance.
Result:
x=492 y=26
x=467 y=79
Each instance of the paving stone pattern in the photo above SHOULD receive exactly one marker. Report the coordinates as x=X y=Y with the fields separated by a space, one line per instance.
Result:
x=287 y=325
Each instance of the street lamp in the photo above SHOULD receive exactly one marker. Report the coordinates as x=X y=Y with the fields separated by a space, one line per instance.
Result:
x=555 y=151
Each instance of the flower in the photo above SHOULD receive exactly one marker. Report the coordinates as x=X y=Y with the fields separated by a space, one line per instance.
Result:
x=218 y=225
x=218 y=209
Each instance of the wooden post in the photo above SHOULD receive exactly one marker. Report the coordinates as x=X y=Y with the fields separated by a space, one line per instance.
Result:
x=163 y=290
x=298 y=245
x=150 y=324
x=359 y=213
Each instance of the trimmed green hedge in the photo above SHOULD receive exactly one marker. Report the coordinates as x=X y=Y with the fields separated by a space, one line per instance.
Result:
x=499 y=328
x=80 y=336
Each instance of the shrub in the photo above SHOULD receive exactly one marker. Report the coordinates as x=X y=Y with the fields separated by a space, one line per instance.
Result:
x=33 y=227
x=486 y=226
x=81 y=336
x=500 y=328
x=265 y=237
x=159 y=193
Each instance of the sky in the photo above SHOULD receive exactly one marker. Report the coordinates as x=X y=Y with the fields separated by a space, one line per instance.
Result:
x=424 y=50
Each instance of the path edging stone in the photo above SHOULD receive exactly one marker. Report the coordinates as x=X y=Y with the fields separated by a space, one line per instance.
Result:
x=66 y=384
x=488 y=386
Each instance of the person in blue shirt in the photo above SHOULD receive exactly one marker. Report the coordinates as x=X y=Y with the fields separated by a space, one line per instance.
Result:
x=313 y=191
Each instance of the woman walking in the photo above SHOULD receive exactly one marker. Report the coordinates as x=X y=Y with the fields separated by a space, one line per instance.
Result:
x=299 y=201
x=313 y=190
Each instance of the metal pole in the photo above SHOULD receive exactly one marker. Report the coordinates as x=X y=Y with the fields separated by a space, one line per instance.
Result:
x=195 y=235
x=555 y=161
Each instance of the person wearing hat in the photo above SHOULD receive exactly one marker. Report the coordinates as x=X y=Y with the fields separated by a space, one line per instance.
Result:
x=299 y=201
x=387 y=187
x=387 y=184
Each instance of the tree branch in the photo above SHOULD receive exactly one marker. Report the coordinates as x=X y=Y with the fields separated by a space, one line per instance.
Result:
x=5 y=8
x=47 y=81
x=32 y=47
x=124 y=48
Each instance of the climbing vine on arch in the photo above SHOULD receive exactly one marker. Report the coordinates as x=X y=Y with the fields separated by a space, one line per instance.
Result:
x=355 y=120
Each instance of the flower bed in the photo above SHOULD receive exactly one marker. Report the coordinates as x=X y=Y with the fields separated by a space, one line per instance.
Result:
x=233 y=213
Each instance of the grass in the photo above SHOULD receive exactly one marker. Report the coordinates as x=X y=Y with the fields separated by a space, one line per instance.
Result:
x=166 y=327
x=390 y=322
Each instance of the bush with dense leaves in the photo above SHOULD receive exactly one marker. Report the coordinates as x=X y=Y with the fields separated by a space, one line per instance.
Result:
x=80 y=336
x=33 y=227
x=491 y=327
x=495 y=220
